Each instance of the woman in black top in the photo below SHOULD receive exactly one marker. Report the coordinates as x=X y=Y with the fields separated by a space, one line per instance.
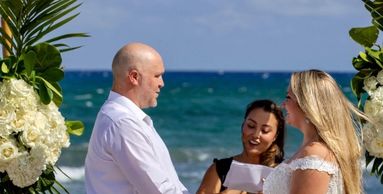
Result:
x=263 y=131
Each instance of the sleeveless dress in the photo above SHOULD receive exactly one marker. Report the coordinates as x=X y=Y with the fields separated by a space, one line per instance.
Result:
x=278 y=181
x=223 y=167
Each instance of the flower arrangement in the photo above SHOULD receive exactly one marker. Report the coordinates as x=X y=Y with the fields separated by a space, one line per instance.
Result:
x=373 y=107
x=32 y=129
x=367 y=85
x=32 y=133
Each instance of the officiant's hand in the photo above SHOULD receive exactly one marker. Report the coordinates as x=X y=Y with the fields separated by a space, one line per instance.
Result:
x=232 y=191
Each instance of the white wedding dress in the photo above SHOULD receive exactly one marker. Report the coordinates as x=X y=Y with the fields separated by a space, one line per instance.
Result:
x=278 y=181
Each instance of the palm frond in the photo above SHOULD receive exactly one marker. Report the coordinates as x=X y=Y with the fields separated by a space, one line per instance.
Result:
x=30 y=21
x=376 y=10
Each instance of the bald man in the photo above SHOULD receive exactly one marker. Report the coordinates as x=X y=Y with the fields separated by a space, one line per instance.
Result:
x=125 y=153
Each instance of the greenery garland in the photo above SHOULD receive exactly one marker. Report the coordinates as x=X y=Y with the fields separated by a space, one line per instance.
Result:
x=36 y=61
x=367 y=85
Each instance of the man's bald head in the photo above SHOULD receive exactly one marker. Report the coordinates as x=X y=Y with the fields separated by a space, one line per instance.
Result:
x=132 y=56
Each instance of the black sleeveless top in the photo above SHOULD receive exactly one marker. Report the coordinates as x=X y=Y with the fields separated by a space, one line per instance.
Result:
x=222 y=167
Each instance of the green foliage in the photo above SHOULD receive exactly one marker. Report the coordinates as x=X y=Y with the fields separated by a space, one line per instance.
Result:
x=366 y=36
x=369 y=63
x=46 y=183
x=376 y=10
x=40 y=66
x=31 y=20
x=75 y=127
x=38 y=61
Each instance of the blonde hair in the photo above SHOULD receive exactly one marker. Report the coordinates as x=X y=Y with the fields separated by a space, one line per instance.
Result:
x=334 y=117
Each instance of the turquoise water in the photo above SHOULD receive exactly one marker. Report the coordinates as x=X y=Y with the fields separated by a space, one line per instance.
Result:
x=198 y=115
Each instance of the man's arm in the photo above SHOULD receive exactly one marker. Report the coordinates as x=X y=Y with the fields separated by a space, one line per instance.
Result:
x=133 y=153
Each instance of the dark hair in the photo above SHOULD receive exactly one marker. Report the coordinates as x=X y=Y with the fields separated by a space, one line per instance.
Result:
x=274 y=155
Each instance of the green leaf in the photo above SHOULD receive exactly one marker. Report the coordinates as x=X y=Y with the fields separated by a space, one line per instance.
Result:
x=377 y=163
x=69 y=49
x=375 y=56
x=47 y=56
x=364 y=56
x=56 y=98
x=46 y=180
x=49 y=86
x=380 y=170
x=365 y=36
x=65 y=36
x=45 y=93
x=364 y=73
x=53 y=74
x=62 y=187
x=30 y=59
x=32 y=20
x=4 y=68
x=369 y=158
x=375 y=8
x=357 y=87
x=359 y=63
x=75 y=127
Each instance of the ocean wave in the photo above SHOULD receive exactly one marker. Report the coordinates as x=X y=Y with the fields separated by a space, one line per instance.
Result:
x=74 y=174
x=83 y=97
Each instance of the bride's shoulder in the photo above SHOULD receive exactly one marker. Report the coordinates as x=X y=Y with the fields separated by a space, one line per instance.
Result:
x=318 y=150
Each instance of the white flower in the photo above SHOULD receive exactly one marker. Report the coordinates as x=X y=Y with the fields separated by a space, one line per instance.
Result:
x=39 y=129
x=7 y=116
x=376 y=146
x=27 y=168
x=8 y=151
x=20 y=88
x=379 y=77
x=373 y=108
x=30 y=136
x=369 y=132
x=378 y=94
x=370 y=84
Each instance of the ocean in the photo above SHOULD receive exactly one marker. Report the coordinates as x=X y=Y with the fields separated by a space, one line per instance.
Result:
x=199 y=115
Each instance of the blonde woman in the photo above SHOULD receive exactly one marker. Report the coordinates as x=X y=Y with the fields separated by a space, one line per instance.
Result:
x=328 y=160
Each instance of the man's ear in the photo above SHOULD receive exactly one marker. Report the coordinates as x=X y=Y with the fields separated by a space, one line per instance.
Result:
x=133 y=76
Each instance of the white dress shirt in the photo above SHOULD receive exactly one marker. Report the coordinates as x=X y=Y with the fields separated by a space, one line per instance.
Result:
x=126 y=154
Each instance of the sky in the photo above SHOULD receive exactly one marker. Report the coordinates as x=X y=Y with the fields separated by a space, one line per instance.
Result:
x=220 y=35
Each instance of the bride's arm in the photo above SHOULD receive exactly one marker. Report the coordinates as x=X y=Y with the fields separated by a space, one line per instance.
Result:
x=309 y=181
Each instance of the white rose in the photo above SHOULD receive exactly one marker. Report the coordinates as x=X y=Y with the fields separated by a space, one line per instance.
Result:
x=6 y=116
x=369 y=132
x=40 y=120
x=376 y=146
x=379 y=77
x=8 y=151
x=373 y=108
x=30 y=136
x=20 y=88
x=378 y=94
x=370 y=84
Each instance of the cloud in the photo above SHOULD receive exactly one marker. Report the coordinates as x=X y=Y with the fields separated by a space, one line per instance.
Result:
x=306 y=7
x=223 y=15
x=96 y=14
x=221 y=32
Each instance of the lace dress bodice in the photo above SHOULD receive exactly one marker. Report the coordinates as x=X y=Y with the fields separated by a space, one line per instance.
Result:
x=278 y=181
